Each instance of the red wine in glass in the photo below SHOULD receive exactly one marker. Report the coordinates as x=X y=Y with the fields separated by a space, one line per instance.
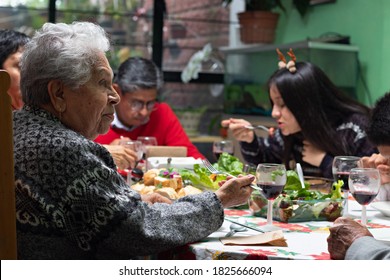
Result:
x=364 y=198
x=271 y=191
x=344 y=177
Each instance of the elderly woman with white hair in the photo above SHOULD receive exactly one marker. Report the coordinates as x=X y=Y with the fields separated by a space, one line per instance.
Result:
x=71 y=203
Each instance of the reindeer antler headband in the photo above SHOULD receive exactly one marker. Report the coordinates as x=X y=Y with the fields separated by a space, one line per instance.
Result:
x=283 y=62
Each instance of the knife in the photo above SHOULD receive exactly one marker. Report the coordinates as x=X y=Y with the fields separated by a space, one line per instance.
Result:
x=244 y=225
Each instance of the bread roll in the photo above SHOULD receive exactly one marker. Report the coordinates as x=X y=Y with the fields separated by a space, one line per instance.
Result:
x=137 y=187
x=188 y=190
x=174 y=183
x=149 y=177
x=168 y=192
x=148 y=189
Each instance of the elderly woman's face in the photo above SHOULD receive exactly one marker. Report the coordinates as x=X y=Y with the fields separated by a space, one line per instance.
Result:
x=90 y=108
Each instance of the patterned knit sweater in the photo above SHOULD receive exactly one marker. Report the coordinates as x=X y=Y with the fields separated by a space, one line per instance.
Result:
x=72 y=204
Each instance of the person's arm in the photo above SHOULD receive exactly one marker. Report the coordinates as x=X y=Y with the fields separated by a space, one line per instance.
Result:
x=368 y=248
x=269 y=149
x=102 y=214
x=342 y=234
x=149 y=229
x=352 y=132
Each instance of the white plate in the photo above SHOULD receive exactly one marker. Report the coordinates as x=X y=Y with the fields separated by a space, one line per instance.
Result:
x=381 y=234
x=383 y=206
x=177 y=162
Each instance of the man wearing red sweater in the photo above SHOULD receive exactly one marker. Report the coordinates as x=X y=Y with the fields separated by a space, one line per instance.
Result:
x=139 y=114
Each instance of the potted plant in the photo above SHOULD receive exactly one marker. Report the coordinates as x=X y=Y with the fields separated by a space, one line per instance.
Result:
x=258 y=22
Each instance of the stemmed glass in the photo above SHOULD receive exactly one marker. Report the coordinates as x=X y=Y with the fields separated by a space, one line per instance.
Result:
x=364 y=184
x=147 y=141
x=271 y=178
x=136 y=146
x=224 y=146
x=341 y=168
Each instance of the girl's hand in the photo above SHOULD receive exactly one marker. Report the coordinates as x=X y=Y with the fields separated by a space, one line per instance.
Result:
x=239 y=132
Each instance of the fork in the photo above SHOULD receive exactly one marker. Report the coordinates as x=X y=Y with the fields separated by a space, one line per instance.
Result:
x=213 y=170
x=253 y=127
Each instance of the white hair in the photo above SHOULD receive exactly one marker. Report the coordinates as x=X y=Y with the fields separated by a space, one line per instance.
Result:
x=66 y=52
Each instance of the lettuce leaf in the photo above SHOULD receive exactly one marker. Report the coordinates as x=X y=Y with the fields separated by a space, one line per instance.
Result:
x=230 y=164
x=200 y=177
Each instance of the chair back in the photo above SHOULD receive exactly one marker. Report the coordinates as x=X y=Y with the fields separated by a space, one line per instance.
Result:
x=7 y=189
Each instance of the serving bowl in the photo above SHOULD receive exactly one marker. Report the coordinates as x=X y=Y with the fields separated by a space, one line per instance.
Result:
x=300 y=210
x=319 y=183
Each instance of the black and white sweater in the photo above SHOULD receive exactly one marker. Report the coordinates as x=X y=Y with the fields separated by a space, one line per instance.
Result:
x=72 y=204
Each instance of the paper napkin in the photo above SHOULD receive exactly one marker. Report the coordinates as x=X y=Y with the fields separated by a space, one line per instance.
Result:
x=272 y=238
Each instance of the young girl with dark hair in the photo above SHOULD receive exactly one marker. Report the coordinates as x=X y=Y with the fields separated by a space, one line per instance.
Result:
x=316 y=122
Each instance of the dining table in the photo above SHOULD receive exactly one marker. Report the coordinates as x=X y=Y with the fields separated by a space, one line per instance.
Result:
x=305 y=240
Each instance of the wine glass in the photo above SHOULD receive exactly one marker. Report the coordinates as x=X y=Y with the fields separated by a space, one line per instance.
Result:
x=136 y=146
x=271 y=178
x=341 y=168
x=224 y=146
x=147 y=141
x=364 y=184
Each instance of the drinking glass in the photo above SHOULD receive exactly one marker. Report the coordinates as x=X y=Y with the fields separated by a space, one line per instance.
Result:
x=341 y=168
x=271 y=178
x=136 y=146
x=364 y=184
x=147 y=141
x=224 y=146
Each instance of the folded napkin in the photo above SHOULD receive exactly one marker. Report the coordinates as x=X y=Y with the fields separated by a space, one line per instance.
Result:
x=271 y=238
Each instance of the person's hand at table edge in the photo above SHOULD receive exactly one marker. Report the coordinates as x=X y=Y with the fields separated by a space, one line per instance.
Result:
x=342 y=234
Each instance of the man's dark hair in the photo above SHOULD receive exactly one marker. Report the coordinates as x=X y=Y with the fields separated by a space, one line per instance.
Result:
x=379 y=129
x=10 y=42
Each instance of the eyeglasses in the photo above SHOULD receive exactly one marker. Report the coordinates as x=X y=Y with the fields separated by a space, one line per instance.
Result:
x=137 y=105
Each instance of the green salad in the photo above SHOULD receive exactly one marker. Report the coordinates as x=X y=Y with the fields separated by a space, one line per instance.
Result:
x=202 y=178
x=297 y=204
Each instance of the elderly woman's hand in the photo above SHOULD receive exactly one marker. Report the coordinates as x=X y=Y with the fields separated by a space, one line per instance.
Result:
x=123 y=157
x=381 y=163
x=155 y=198
x=239 y=132
x=342 y=234
x=235 y=191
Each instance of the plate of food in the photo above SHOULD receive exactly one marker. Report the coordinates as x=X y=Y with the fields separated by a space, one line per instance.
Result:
x=318 y=201
x=318 y=183
x=382 y=206
x=166 y=182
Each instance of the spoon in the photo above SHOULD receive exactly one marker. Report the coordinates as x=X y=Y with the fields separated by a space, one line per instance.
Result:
x=300 y=175
x=235 y=228
x=253 y=127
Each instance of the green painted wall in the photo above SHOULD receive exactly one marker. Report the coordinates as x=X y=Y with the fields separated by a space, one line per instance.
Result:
x=367 y=22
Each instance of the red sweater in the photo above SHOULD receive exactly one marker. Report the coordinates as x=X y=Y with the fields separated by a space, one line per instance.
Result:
x=163 y=124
